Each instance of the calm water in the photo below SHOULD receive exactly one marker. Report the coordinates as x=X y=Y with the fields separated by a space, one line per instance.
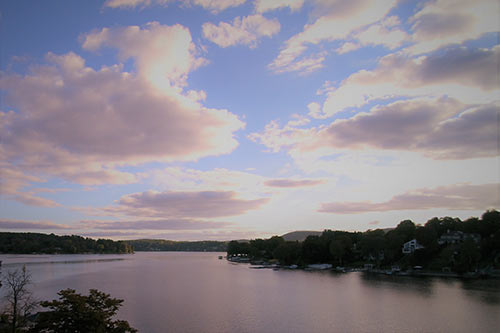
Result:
x=196 y=292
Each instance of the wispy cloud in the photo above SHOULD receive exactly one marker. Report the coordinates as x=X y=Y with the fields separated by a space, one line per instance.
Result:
x=338 y=20
x=468 y=75
x=204 y=204
x=214 y=6
x=245 y=31
x=292 y=183
x=40 y=225
x=460 y=197
x=133 y=3
x=169 y=224
x=262 y=6
x=13 y=183
x=387 y=33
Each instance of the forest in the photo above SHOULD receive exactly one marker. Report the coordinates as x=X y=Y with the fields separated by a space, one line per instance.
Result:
x=23 y=243
x=444 y=244
x=168 y=245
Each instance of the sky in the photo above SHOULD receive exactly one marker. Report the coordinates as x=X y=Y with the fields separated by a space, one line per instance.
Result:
x=234 y=119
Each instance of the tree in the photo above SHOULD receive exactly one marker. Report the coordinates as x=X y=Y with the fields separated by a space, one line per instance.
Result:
x=77 y=313
x=339 y=247
x=372 y=244
x=468 y=256
x=18 y=296
x=426 y=236
x=407 y=229
x=288 y=252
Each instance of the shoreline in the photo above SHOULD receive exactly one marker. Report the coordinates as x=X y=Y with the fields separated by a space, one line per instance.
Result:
x=258 y=264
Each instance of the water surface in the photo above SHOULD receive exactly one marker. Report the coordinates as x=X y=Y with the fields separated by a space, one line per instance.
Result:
x=197 y=292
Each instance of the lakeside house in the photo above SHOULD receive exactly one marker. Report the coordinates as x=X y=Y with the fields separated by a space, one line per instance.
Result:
x=453 y=237
x=411 y=246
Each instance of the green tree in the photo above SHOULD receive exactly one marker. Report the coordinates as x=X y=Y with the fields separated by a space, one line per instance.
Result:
x=288 y=252
x=372 y=243
x=339 y=247
x=75 y=313
x=315 y=250
x=468 y=256
x=407 y=229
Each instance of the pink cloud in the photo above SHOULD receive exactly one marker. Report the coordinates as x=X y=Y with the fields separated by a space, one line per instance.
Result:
x=80 y=124
x=440 y=129
x=169 y=224
x=246 y=31
x=13 y=183
x=336 y=21
x=205 y=204
x=20 y=224
x=467 y=75
x=293 y=182
x=460 y=197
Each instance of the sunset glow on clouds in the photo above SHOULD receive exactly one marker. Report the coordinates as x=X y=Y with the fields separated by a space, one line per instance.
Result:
x=203 y=119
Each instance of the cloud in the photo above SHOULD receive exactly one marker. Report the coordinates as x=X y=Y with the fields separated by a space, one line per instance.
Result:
x=132 y=3
x=204 y=204
x=164 y=55
x=218 y=179
x=294 y=182
x=215 y=6
x=20 y=224
x=245 y=31
x=81 y=124
x=217 y=235
x=439 y=129
x=288 y=136
x=469 y=75
x=262 y=6
x=169 y=224
x=114 y=234
x=386 y=33
x=13 y=183
x=459 y=197
x=444 y=22
x=342 y=18
x=431 y=127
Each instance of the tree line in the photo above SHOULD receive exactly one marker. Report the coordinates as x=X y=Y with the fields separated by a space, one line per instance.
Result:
x=383 y=248
x=22 y=243
x=168 y=245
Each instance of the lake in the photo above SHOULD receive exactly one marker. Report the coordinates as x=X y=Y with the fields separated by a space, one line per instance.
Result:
x=197 y=292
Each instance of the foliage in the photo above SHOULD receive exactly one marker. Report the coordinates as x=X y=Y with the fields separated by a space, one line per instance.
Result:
x=75 y=313
x=42 y=243
x=236 y=248
x=168 y=245
x=287 y=252
x=384 y=247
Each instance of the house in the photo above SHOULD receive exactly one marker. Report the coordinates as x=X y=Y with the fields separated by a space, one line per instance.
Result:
x=451 y=237
x=411 y=246
x=454 y=237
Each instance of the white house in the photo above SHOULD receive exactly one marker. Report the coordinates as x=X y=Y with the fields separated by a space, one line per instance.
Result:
x=412 y=246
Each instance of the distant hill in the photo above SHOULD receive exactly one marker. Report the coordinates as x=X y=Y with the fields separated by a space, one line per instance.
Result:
x=300 y=235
